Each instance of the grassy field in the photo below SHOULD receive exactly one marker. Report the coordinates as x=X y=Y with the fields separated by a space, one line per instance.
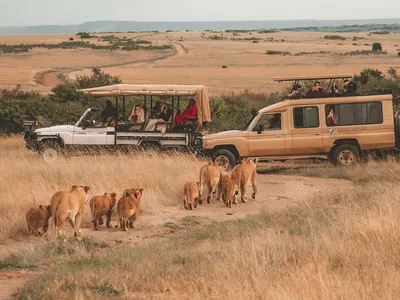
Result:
x=30 y=181
x=343 y=246
x=198 y=59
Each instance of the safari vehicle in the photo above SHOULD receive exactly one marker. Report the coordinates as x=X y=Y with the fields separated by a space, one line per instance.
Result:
x=119 y=133
x=299 y=129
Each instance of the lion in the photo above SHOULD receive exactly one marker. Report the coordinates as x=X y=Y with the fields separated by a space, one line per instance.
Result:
x=228 y=190
x=242 y=174
x=129 y=207
x=191 y=195
x=209 y=176
x=69 y=205
x=38 y=218
x=102 y=205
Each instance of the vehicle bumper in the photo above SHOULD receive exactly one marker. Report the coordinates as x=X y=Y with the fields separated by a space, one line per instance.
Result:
x=31 y=142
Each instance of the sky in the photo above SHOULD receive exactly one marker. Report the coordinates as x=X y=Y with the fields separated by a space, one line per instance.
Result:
x=68 y=12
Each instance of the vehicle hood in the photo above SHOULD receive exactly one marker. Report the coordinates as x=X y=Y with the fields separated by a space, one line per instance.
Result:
x=56 y=129
x=224 y=134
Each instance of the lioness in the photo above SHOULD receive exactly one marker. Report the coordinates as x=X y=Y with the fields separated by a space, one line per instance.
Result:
x=69 y=205
x=102 y=205
x=191 y=195
x=209 y=176
x=242 y=174
x=38 y=218
x=228 y=190
x=129 y=207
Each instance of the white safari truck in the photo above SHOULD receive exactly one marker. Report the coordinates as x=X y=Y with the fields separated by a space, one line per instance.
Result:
x=120 y=133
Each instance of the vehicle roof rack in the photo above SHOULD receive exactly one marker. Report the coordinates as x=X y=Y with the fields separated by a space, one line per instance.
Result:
x=322 y=77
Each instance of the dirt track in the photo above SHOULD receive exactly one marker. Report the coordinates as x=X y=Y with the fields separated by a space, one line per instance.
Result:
x=275 y=192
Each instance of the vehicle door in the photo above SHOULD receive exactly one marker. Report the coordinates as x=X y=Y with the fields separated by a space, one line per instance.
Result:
x=306 y=130
x=267 y=137
x=90 y=136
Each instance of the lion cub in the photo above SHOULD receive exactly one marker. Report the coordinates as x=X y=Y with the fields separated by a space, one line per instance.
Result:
x=102 y=205
x=129 y=207
x=228 y=190
x=38 y=218
x=191 y=195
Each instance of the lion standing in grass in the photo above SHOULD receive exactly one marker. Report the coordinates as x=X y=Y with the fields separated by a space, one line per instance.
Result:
x=69 y=205
x=38 y=218
x=129 y=207
x=242 y=174
x=227 y=190
x=102 y=205
x=191 y=195
x=209 y=176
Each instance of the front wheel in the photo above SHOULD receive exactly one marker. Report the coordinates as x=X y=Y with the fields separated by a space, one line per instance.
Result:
x=50 y=150
x=344 y=155
x=225 y=159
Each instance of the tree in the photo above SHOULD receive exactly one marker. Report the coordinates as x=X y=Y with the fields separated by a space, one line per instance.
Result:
x=71 y=39
x=376 y=46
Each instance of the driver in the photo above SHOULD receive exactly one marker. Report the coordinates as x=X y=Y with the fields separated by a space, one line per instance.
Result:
x=107 y=114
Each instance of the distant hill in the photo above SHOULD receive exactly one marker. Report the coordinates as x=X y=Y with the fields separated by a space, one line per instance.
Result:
x=123 y=26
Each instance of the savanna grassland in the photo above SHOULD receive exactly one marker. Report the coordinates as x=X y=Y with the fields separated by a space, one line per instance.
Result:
x=198 y=57
x=341 y=244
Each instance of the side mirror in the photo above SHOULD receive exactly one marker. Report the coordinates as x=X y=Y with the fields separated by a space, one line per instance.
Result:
x=259 y=128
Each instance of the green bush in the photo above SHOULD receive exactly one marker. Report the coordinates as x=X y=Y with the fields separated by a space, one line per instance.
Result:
x=334 y=37
x=376 y=47
x=274 y=52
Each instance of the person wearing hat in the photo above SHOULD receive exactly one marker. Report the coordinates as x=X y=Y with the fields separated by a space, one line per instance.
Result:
x=296 y=93
x=108 y=114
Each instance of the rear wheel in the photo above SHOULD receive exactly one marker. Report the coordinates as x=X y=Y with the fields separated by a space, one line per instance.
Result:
x=225 y=159
x=344 y=155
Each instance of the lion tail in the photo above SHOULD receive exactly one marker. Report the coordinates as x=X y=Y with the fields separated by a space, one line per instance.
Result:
x=93 y=207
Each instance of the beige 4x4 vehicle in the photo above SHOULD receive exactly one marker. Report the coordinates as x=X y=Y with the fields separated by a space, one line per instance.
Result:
x=300 y=128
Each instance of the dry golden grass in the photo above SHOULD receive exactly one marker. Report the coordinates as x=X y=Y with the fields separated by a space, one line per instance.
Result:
x=27 y=180
x=343 y=246
x=248 y=66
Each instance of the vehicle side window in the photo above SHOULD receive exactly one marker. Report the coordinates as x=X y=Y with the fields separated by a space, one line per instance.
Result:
x=269 y=122
x=306 y=117
x=354 y=114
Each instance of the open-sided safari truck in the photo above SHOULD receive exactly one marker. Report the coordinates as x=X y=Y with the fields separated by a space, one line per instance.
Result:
x=336 y=125
x=118 y=131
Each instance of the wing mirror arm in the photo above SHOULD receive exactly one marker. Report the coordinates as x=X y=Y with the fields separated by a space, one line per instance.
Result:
x=260 y=129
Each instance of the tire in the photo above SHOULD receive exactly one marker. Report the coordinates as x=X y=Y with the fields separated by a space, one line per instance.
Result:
x=50 y=150
x=224 y=158
x=344 y=155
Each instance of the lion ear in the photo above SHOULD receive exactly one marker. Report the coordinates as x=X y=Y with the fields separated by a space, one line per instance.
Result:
x=114 y=195
x=141 y=190
x=74 y=186
x=255 y=160
x=87 y=189
x=126 y=193
x=40 y=206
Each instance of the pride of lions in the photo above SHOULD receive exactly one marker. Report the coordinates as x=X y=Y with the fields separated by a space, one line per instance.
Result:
x=70 y=205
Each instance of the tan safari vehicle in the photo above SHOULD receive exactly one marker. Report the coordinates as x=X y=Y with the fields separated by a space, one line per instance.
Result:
x=338 y=127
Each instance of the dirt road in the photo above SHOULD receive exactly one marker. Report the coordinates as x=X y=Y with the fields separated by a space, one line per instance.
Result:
x=275 y=192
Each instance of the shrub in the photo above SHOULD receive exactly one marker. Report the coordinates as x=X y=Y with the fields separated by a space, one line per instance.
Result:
x=398 y=54
x=224 y=67
x=84 y=35
x=216 y=37
x=274 y=52
x=71 y=39
x=376 y=46
x=334 y=37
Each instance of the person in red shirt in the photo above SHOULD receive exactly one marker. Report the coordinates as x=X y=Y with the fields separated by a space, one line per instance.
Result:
x=317 y=91
x=189 y=112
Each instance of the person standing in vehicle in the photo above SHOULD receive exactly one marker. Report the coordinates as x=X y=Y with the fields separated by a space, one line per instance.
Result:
x=297 y=92
x=317 y=91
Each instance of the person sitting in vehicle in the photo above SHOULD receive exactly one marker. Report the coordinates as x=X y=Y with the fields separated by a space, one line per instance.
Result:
x=166 y=113
x=317 y=91
x=349 y=88
x=331 y=118
x=155 y=117
x=297 y=92
x=189 y=112
x=137 y=116
x=108 y=114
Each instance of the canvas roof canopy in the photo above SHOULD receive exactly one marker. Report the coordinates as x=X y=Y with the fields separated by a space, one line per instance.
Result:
x=322 y=77
x=200 y=93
